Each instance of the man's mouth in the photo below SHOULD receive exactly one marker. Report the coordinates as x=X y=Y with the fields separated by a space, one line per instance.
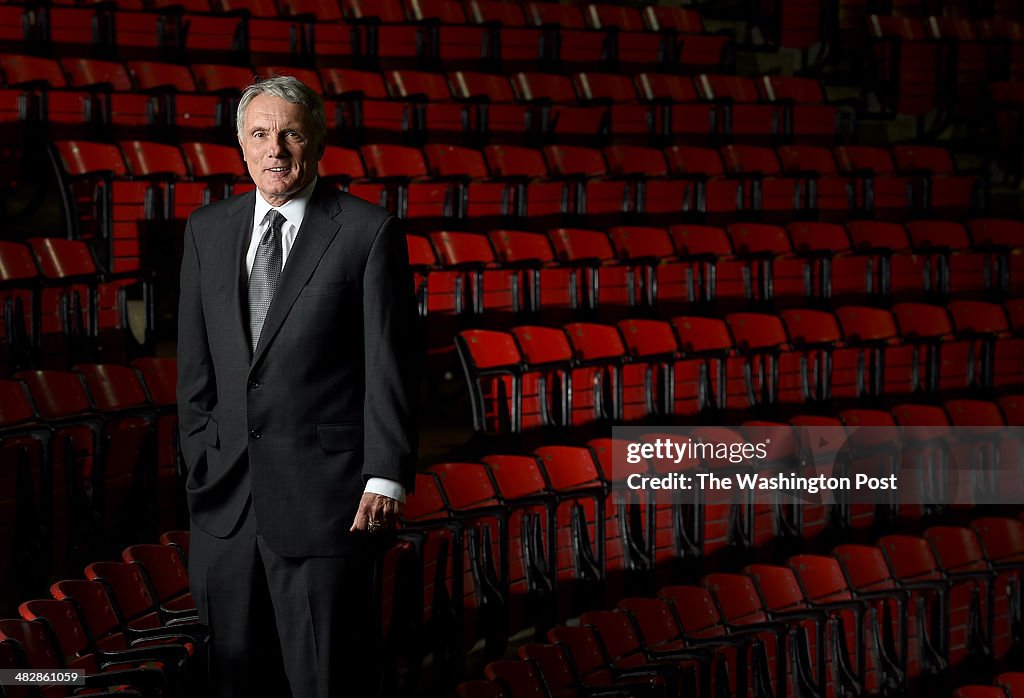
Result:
x=278 y=169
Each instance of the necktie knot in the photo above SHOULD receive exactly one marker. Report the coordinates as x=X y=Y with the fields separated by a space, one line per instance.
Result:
x=276 y=221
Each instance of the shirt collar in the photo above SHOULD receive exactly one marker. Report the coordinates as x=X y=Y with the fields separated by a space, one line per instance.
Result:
x=294 y=210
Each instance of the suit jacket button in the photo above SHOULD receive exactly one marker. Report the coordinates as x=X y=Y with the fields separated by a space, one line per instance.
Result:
x=253 y=384
x=255 y=433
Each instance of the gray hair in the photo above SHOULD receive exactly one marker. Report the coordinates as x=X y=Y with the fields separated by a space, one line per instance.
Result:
x=292 y=90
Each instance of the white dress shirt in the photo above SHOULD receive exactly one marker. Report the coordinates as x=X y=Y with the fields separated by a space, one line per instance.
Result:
x=294 y=210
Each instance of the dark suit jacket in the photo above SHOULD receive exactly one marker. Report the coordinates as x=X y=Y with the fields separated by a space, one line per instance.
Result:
x=327 y=400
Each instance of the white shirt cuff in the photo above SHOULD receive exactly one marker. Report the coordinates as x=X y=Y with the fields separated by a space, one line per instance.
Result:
x=385 y=488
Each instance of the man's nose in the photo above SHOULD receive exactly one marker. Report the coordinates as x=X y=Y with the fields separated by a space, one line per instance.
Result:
x=277 y=148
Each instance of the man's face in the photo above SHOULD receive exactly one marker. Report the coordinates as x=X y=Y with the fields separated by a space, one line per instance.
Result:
x=279 y=147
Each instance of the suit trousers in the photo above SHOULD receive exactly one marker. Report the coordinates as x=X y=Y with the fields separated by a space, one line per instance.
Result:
x=284 y=626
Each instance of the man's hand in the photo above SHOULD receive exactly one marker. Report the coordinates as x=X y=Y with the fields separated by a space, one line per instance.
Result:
x=376 y=508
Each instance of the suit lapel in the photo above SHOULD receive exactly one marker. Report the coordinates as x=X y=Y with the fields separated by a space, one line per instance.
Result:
x=243 y=212
x=319 y=226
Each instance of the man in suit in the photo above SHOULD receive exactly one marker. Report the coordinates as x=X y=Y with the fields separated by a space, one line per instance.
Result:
x=297 y=381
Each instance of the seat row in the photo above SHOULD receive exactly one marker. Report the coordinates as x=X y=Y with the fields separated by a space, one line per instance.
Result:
x=898 y=617
x=906 y=51
x=59 y=306
x=491 y=33
x=586 y=272
x=88 y=459
x=130 y=627
x=1009 y=684
x=112 y=189
x=581 y=373
x=84 y=92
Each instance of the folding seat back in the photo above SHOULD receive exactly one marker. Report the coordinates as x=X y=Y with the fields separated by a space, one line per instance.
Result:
x=679 y=384
x=836 y=270
x=905 y=62
x=962 y=555
x=654 y=618
x=696 y=610
x=617 y=635
x=407 y=83
x=1012 y=682
x=961 y=270
x=862 y=324
x=470 y=496
x=757 y=331
x=34 y=641
x=492 y=363
x=573 y=244
x=61 y=400
x=207 y=160
x=492 y=88
x=625 y=389
x=517 y=678
x=872 y=159
x=807 y=158
x=602 y=16
x=129 y=589
x=543 y=345
x=151 y=75
x=165 y=569
x=455 y=161
x=521 y=485
x=568 y=161
x=63 y=620
x=997 y=232
x=1001 y=537
x=81 y=158
x=73 y=280
x=932 y=159
x=514 y=161
x=710 y=340
x=822 y=577
x=978 y=317
x=697 y=48
x=957 y=549
x=342 y=82
x=24 y=70
x=549 y=287
x=445 y=11
x=341 y=164
x=541 y=13
x=946 y=235
x=221 y=78
x=491 y=289
x=642 y=243
x=606 y=282
x=147 y=159
x=18 y=300
x=737 y=598
x=543 y=86
x=966 y=631
x=87 y=72
x=604 y=86
x=96 y=608
x=129 y=457
x=635 y=160
x=808 y=327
